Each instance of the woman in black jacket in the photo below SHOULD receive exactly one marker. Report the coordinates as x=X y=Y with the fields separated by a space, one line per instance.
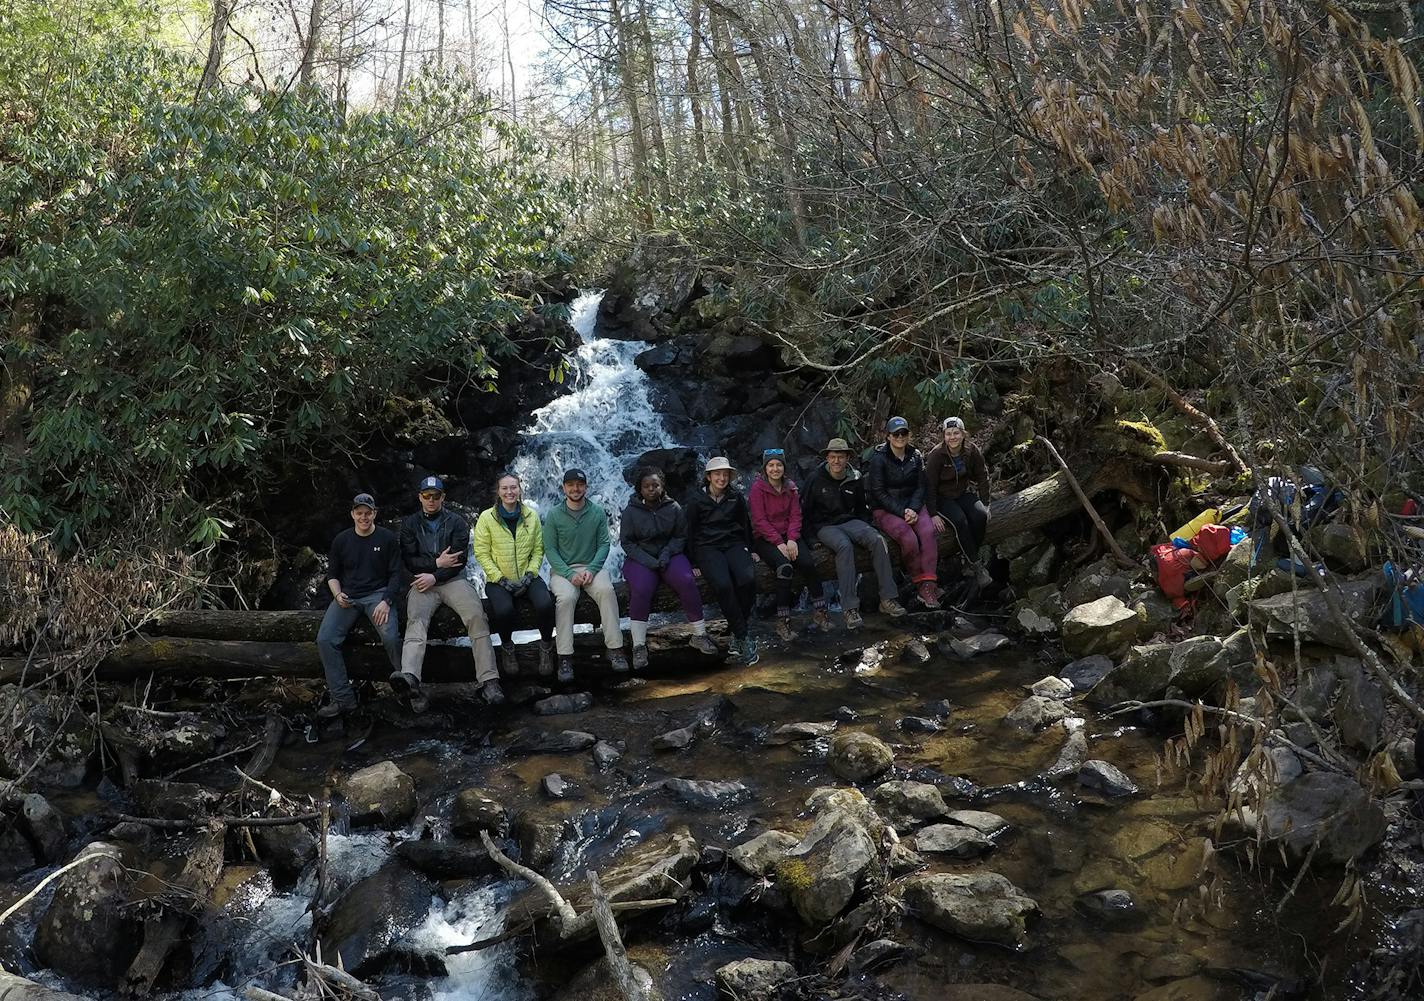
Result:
x=896 y=492
x=719 y=535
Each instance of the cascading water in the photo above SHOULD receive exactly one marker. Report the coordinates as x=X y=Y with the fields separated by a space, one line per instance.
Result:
x=601 y=427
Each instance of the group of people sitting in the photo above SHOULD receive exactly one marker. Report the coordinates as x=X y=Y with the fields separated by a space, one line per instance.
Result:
x=719 y=535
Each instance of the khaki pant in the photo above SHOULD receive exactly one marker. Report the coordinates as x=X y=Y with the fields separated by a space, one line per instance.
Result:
x=566 y=598
x=460 y=595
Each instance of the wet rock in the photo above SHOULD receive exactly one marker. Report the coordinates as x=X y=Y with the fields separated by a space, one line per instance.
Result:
x=172 y=800
x=1051 y=687
x=902 y=859
x=605 y=755
x=939 y=709
x=758 y=855
x=846 y=714
x=1035 y=566
x=531 y=741
x=1097 y=580
x=380 y=794
x=90 y=932
x=1344 y=547
x=788 y=732
x=555 y=786
x=1104 y=778
x=905 y=804
x=538 y=839
x=1359 y=712
x=446 y=859
x=1032 y=622
x=979 y=906
x=952 y=839
x=1307 y=611
x=1323 y=806
x=679 y=739
x=1155 y=613
x=1112 y=907
x=652 y=287
x=1194 y=666
x=659 y=867
x=1141 y=677
x=823 y=872
x=285 y=850
x=192 y=740
x=973 y=646
x=915 y=651
x=1083 y=674
x=44 y=827
x=15 y=988
x=1104 y=626
x=753 y=978
x=1197 y=988
x=857 y=756
x=475 y=811
x=878 y=954
x=596 y=982
x=919 y=724
x=1034 y=713
x=991 y=825
x=1172 y=966
x=367 y=924
x=17 y=855
x=1275 y=766
x=563 y=705
x=1071 y=756
x=706 y=794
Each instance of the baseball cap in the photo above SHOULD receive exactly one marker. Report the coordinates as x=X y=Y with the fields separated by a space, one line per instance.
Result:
x=363 y=500
x=897 y=424
x=432 y=483
x=952 y=422
x=575 y=475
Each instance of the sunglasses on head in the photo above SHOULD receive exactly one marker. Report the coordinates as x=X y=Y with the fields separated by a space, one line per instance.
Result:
x=774 y=453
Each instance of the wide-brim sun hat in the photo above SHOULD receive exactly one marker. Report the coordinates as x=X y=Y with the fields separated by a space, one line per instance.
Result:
x=718 y=462
x=836 y=445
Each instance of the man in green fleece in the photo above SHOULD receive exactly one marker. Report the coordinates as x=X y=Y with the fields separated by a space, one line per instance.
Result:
x=576 y=545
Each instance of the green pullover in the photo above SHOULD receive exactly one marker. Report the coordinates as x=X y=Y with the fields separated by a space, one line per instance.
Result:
x=576 y=538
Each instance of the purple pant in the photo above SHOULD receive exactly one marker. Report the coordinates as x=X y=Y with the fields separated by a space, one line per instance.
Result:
x=643 y=584
x=919 y=552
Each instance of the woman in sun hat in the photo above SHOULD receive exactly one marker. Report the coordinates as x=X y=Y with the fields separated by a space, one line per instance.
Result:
x=719 y=535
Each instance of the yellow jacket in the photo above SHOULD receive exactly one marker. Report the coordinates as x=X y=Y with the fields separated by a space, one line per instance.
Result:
x=501 y=554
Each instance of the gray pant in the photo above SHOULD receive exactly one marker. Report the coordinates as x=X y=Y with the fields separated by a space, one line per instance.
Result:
x=460 y=595
x=842 y=539
x=335 y=624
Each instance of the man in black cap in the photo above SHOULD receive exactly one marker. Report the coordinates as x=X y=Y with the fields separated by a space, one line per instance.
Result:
x=576 y=545
x=434 y=543
x=363 y=572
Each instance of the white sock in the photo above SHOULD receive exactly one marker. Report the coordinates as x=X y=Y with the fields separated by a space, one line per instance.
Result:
x=699 y=628
x=640 y=632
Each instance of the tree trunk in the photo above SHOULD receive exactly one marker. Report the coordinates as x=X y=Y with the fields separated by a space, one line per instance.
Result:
x=17 y=380
x=629 y=83
x=217 y=41
x=509 y=61
x=472 y=40
x=694 y=86
x=309 y=50
x=655 y=117
x=440 y=34
x=781 y=135
x=405 y=45
x=734 y=136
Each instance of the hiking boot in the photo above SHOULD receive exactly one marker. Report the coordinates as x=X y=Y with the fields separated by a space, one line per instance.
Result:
x=403 y=682
x=508 y=662
x=702 y=643
x=619 y=661
x=892 y=608
x=736 y=653
x=928 y=593
x=546 y=659
x=492 y=693
x=749 y=652
x=640 y=657
x=853 y=621
x=419 y=701
x=330 y=709
x=566 y=670
x=783 y=629
x=820 y=620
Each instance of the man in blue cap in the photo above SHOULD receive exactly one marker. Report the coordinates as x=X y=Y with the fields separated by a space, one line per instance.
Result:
x=363 y=572
x=434 y=543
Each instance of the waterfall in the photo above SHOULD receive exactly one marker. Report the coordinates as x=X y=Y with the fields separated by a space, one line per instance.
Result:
x=601 y=426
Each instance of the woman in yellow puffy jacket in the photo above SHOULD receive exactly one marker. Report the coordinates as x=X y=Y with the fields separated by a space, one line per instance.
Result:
x=508 y=542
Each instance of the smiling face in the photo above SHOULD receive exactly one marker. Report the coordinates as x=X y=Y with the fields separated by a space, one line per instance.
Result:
x=431 y=501
x=509 y=491
x=718 y=479
x=574 y=490
x=837 y=462
x=650 y=488
x=953 y=439
x=364 y=519
x=775 y=470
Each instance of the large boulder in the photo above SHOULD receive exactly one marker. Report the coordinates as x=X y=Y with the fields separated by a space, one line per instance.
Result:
x=1359 y=711
x=596 y=982
x=1194 y=668
x=1324 y=807
x=823 y=872
x=651 y=288
x=856 y=756
x=757 y=856
x=368 y=924
x=380 y=794
x=1344 y=547
x=1307 y=611
x=1104 y=626
x=1036 y=712
x=476 y=811
x=90 y=933
x=1142 y=676
x=286 y=849
x=906 y=804
x=1099 y=579
x=979 y=906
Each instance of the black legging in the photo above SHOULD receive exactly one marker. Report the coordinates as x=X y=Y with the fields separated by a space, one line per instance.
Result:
x=502 y=610
x=969 y=517
x=786 y=586
x=733 y=578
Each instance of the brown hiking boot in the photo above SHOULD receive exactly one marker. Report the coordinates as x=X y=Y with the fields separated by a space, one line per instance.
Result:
x=783 y=629
x=929 y=594
x=820 y=620
x=892 y=608
x=853 y=621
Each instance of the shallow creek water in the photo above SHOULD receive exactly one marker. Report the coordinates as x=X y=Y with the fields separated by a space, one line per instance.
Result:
x=1221 y=943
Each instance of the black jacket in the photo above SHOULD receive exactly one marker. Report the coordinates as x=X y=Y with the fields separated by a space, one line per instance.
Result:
x=895 y=484
x=420 y=545
x=828 y=501
x=652 y=535
x=718 y=524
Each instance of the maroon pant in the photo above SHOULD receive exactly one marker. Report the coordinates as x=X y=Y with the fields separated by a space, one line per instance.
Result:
x=919 y=552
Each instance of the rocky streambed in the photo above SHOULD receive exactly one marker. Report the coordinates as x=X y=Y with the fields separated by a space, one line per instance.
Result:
x=917 y=814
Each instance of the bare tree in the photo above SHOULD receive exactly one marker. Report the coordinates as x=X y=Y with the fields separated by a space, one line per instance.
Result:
x=217 y=41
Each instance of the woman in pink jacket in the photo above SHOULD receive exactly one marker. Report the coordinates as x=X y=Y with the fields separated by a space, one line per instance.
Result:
x=776 y=538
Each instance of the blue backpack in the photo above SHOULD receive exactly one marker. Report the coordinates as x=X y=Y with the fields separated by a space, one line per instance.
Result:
x=1406 y=599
